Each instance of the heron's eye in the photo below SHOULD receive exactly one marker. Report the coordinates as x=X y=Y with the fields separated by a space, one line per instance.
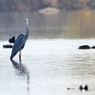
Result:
x=26 y=20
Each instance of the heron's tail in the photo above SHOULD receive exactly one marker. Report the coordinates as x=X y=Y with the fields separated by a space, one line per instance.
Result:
x=11 y=57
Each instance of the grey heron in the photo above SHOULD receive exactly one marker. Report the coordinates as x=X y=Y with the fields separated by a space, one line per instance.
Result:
x=20 y=42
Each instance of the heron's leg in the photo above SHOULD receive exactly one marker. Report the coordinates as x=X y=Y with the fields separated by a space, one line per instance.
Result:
x=20 y=56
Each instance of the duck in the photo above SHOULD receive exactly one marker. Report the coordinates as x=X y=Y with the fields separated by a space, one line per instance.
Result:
x=12 y=40
x=83 y=87
x=7 y=46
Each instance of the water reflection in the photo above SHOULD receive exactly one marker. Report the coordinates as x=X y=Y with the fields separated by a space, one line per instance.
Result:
x=21 y=71
x=71 y=24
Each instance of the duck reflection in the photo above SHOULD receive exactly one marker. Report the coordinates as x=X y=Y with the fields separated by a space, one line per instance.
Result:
x=22 y=71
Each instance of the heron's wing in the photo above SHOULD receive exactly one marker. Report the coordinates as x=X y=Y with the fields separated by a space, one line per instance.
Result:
x=18 y=45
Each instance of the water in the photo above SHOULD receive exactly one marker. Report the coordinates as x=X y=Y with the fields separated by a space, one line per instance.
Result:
x=51 y=60
x=49 y=67
x=71 y=24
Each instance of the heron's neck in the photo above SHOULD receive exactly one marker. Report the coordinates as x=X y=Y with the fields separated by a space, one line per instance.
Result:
x=27 y=31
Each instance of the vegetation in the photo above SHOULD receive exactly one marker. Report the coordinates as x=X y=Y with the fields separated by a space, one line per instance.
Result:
x=34 y=5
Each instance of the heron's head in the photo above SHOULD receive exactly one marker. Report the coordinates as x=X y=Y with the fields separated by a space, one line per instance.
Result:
x=26 y=21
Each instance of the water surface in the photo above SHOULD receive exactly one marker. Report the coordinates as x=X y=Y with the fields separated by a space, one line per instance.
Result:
x=66 y=24
x=49 y=67
x=51 y=60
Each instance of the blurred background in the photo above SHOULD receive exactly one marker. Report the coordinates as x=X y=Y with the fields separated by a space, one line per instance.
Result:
x=48 y=18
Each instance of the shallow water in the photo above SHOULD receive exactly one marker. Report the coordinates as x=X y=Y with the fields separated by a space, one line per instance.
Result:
x=49 y=67
x=51 y=60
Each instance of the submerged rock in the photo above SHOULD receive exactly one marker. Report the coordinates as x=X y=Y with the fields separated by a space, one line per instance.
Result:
x=93 y=47
x=85 y=47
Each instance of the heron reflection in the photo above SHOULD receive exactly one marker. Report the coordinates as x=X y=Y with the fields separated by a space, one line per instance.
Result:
x=22 y=71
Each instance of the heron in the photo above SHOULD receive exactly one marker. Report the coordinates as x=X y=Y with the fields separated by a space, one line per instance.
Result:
x=20 y=42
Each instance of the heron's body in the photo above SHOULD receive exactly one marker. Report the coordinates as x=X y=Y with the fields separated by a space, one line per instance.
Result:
x=20 y=41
